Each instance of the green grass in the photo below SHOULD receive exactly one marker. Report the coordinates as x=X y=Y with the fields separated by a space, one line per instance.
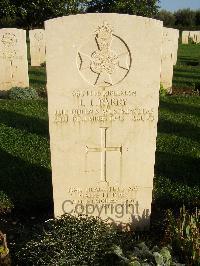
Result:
x=25 y=172
x=178 y=152
x=37 y=77
x=187 y=69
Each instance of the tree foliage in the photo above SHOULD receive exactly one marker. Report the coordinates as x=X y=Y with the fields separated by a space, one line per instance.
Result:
x=183 y=19
x=6 y=9
x=148 y=8
x=7 y=13
x=30 y=14
x=101 y=6
x=197 y=18
x=167 y=17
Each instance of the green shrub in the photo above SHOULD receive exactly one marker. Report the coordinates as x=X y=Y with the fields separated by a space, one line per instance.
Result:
x=184 y=234
x=69 y=241
x=5 y=203
x=43 y=64
x=142 y=255
x=190 y=40
x=42 y=92
x=197 y=86
x=5 y=207
x=17 y=93
x=4 y=251
x=163 y=91
x=87 y=241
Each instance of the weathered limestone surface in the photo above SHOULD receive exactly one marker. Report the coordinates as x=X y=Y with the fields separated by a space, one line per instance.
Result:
x=13 y=59
x=185 y=36
x=176 y=39
x=37 y=46
x=169 y=57
x=103 y=94
x=194 y=35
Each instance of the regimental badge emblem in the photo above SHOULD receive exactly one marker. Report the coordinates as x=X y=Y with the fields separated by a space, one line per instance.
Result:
x=105 y=60
x=38 y=36
x=9 y=41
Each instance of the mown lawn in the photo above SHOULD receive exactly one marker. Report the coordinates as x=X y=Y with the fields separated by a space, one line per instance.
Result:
x=25 y=172
x=177 y=166
x=187 y=69
x=37 y=77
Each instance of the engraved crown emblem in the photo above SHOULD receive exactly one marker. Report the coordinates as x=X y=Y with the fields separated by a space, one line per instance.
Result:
x=104 y=31
x=9 y=39
x=109 y=63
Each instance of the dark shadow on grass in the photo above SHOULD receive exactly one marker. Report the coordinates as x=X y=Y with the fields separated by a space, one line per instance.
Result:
x=179 y=129
x=178 y=168
x=187 y=58
x=188 y=70
x=186 y=76
x=29 y=186
x=37 y=81
x=190 y=63
x=180 y=108
x=182 y=85
x=22 y=122
x=38 y=72
x=185 y=82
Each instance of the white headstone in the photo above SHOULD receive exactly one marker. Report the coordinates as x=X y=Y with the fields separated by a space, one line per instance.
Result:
x=13 y=59
x=185 y=37
x=37 y=46
x=195 y=36
x=103 y=74
x=175 y=39
x=168 y=58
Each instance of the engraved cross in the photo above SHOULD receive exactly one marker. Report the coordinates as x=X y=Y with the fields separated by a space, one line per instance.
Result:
x=103 y=150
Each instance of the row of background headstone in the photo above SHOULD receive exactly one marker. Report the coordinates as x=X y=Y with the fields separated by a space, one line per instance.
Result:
x=13 y=56
x=193 y=35
x=37 y=47
x=13 y=59
x=169 y=56
x=14 y=65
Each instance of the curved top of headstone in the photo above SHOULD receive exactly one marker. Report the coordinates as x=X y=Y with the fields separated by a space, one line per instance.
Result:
x=11 y=29
x=103 y=81
x=59 y=19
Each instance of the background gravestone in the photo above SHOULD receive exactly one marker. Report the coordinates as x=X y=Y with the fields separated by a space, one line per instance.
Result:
x=175 y=39
x=168 y=58
x=13 y=59
x=198 y=37
x=185 y=37
x=37 y=46
x=195 y=36
x=103 y=94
